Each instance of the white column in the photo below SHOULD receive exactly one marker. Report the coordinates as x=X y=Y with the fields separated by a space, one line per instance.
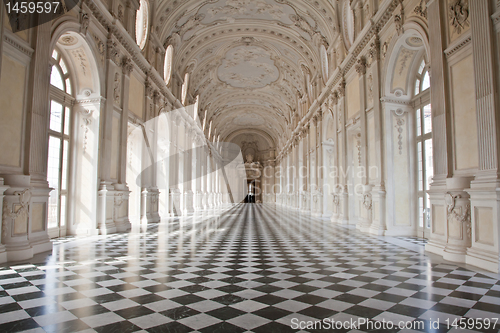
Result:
x=378 y=225
x=484 y=191
x=188 y=172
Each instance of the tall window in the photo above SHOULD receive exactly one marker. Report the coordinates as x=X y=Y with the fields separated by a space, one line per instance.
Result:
x=424 y=147
x=59 y=133
x=167 y=71
x=142 y=24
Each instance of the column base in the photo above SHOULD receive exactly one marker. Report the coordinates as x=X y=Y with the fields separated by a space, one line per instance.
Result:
x=105 y=223
x=376 y=229
x=3 y=254
x=435 y=247
x=19 y=252
x=483 y=259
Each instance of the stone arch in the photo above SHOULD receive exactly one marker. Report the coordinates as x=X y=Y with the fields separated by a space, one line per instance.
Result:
x=72 y=28
x=404 y=53
x=83 y=153
x=266 y=136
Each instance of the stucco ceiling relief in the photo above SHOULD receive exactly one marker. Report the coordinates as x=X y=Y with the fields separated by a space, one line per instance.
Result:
x=248 y=67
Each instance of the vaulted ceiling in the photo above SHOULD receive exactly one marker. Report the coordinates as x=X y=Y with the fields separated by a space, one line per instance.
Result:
x=248 y=59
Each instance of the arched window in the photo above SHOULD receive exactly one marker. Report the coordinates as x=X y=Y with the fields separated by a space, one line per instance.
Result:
x=142 y=24
x=423 y=132
x=184 y=91
x=59 y=136
x=167 y=70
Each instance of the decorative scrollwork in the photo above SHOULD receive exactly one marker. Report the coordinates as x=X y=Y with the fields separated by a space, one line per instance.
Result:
x=87 y=121
x=421 y=9
x=367 y=201
x=461 y=214
x=22 y=210
x=459 y=15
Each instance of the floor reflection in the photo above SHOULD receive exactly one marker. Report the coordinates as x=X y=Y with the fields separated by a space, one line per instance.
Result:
x=250 y=268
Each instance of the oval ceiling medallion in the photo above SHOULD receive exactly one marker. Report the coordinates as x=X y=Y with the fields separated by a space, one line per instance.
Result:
x=249 y=119
x=414 y=41
x=248 y=67
x=67 y=40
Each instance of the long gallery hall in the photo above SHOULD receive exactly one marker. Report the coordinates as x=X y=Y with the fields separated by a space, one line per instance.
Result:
x=250 y=166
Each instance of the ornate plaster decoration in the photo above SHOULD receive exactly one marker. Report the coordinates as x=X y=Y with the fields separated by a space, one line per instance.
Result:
x=248 y=67
x=249 y=119
x=113 y=52
x=361 y=66
x=84 y=23
x=459 y=15
x=101 y=48
x=421 y=9
x=87 y=121
x=117 y=88
x=374 y=50
x=21 y=208
x=460 y=214
x=120 y=13
x=403 y=59
x=399 y=125
x=67 y=40
x=81 y=59
x=367 y=201
x=370 y=87
x=127 y=66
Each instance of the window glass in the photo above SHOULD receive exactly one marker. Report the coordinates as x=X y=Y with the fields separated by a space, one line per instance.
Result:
x=63 y=66
x=56 y=78
x=141 y=24
x=427 y=119
x=419 y=123
x=68 y=86
x=53 y=179
x=421 y=67
x=167 y=71
x=64 y=172
x=429 y=169
x=66 y=121
x=426 y=82
x=56 y=111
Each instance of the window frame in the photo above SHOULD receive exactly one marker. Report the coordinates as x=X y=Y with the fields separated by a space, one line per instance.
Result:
x=66 y=100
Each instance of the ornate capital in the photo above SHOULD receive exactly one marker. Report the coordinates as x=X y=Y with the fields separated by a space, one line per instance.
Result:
x=84 y=23
x=459 y=15
x=113 y=52
x=127 y=66
x=361 y=66
x=157 y=97
x=341 y=89
x=149 y=88
x=374 y=51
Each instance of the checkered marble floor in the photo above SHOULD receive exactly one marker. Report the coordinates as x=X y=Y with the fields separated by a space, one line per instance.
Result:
x=254 y=268
x=414 y=240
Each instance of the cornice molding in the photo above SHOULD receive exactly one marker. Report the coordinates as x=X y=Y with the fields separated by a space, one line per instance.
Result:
x=16 y=42
x=462 y=43
x=122 y=36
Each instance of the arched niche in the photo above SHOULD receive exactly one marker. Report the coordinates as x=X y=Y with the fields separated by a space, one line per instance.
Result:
x=253 y=143
x=403 y=58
